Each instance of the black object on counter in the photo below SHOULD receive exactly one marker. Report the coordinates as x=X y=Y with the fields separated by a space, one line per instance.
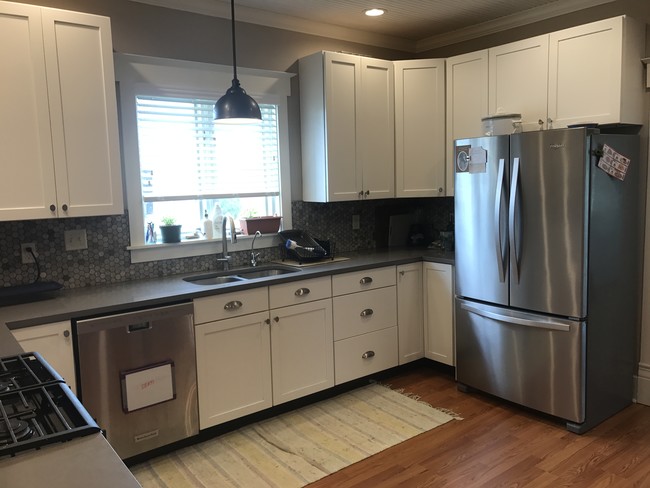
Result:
x=300 y=246
x=12 y=295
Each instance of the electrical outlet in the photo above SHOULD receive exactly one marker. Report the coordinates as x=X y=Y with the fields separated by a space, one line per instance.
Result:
x=356 y=225
x=26 y=256
x=75 y=239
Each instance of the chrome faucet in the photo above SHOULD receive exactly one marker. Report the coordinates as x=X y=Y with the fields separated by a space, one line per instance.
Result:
x=254 y=255
x=225 y=259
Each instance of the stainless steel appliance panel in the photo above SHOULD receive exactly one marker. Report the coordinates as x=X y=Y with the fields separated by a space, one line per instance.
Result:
x=113 y=345
x=530 y=359
x=547 y=221
x=481 y=227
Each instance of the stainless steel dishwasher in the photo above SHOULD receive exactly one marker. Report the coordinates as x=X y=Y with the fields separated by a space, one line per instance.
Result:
x=138 y=376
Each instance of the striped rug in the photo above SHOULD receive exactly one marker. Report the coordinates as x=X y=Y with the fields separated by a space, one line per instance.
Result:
x=298 y=447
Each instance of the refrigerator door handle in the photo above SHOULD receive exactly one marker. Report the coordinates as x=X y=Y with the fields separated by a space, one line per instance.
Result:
x=540 y=322
x=514 y=188
x=501 y=257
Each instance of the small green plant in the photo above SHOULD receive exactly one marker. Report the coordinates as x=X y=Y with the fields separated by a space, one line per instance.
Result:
x=168 y=220
x=250 y=213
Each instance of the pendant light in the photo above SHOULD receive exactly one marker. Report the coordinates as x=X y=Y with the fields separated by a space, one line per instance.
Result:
x=236 y=107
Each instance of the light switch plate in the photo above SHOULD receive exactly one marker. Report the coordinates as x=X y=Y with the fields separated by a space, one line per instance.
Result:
x=75 y=239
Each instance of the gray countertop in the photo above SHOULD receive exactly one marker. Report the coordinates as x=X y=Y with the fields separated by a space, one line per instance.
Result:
x=90 y=461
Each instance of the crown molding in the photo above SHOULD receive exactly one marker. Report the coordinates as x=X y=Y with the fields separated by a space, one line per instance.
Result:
x=520 y=19
x=269 y=19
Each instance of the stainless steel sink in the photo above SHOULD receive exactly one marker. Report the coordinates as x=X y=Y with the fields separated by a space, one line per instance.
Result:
x=241 y=274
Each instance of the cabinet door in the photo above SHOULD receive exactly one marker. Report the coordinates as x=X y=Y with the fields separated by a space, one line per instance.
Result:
x=438 y=313
x=376 y=128
x=342 y=85
x=467 y=103
x=518 y=80
x=54 y=343
x=233 y=363
x=83 y=113
x=302 y=350
x=420 y=128
x=590 y=67
x=410 y=312
x=27 y=186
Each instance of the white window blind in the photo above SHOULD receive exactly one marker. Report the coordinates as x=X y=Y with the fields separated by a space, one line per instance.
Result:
x=185 y=156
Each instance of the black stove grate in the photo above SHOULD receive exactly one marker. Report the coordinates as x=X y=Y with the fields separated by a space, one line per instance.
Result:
x=38 y=408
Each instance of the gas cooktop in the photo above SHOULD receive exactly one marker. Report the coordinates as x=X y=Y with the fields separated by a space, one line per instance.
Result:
x=36 y=406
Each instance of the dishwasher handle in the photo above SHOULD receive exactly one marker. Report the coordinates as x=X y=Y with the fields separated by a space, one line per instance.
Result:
x=134 y=321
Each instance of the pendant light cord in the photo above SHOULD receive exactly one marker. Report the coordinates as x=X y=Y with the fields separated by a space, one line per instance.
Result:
x=234 y=50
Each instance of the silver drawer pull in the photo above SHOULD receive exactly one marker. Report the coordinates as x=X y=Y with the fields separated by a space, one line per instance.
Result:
x=234 y=305
x=367 y=312
x=368 y=355
x=365 y=280
x=302 y=291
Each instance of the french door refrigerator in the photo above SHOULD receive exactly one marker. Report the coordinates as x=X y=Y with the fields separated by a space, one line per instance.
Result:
x=548 y=271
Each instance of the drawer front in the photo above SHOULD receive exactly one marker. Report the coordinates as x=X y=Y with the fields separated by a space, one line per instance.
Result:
x=363 y=280
x=228 y=305
x=365 y=354
x=365 y=312
x=300 y=292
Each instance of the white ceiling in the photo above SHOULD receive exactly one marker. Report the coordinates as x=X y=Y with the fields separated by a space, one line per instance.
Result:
x=409 y=25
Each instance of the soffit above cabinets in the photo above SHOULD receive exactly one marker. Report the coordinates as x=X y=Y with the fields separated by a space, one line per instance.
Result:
x=408 y=25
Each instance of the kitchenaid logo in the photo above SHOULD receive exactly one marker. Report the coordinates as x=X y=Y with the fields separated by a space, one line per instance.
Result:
x=556 y=146
x=146 y=435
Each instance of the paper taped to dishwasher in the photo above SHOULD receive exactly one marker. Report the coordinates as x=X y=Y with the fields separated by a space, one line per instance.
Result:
x=147 y=386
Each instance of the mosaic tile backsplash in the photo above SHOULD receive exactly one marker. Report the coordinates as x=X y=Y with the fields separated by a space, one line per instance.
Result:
x=107 y=260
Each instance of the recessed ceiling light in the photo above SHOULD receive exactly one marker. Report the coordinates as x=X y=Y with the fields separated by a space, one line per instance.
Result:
x=374 y=12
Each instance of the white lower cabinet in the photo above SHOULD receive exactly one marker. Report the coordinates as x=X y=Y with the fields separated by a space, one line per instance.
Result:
x=439 y=312
x=260 y=358
x=410 y=312
x=53 y=342
x=365 y=323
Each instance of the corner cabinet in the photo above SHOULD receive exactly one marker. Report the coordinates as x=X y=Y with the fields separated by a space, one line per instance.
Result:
x=439 y=312
x=58 y=123
x=54 y=343
x=347 y=126
x=420 y=128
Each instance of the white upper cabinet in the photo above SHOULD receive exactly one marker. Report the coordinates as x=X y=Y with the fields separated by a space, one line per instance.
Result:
x=420 y=128
x=58 y=123
x=595 y=74
x=518 y=80
x=467 y=102
x=347 y=126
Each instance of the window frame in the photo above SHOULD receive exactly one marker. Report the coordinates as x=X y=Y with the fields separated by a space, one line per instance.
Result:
x=147 y=76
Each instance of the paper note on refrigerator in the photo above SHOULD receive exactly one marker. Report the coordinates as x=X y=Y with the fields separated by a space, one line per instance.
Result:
x=613 y=163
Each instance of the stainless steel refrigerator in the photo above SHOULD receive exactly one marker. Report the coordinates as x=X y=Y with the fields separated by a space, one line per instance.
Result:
x=548 y=270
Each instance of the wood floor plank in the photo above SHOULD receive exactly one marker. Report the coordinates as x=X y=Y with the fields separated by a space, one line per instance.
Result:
x=500 y=444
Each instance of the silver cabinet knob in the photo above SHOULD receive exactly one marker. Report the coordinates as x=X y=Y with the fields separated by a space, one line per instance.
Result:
x=302 y=292
x=367 y=312
x=267 y=321
x=368 y=355
x=276 y=319
x=366 y=280
x=66 y=333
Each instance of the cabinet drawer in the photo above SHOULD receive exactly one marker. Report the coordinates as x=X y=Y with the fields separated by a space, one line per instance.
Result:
x=228 y=305
x=364 y=312
x=300 y=292
x=363 y=280
x=365 y=354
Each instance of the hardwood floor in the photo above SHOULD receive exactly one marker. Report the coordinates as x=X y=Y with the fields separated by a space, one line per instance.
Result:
x=499 y=444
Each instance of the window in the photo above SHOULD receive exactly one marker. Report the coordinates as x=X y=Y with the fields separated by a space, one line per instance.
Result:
x=189 y=166
x=180 y=164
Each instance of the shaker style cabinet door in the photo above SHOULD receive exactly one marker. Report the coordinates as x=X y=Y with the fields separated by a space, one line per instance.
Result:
x=420 y=128
x=27 y=187
x=58 y=122
x=467 y=103
x=410 y=312
x=596 y=62
x=518 y=80
x=439 y=313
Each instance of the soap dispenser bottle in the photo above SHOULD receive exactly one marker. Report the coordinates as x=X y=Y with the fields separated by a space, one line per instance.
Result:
x=207 y=226
x=217 y=217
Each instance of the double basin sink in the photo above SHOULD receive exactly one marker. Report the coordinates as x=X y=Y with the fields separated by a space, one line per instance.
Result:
x=242 y=274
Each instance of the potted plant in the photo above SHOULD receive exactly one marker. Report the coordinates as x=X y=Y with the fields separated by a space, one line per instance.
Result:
x=250 y=224
x=169 y=230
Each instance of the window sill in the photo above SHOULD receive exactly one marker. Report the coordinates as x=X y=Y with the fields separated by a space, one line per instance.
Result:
x=201 y=247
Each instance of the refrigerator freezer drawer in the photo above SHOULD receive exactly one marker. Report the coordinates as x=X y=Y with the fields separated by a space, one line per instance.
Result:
x=533 y=360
